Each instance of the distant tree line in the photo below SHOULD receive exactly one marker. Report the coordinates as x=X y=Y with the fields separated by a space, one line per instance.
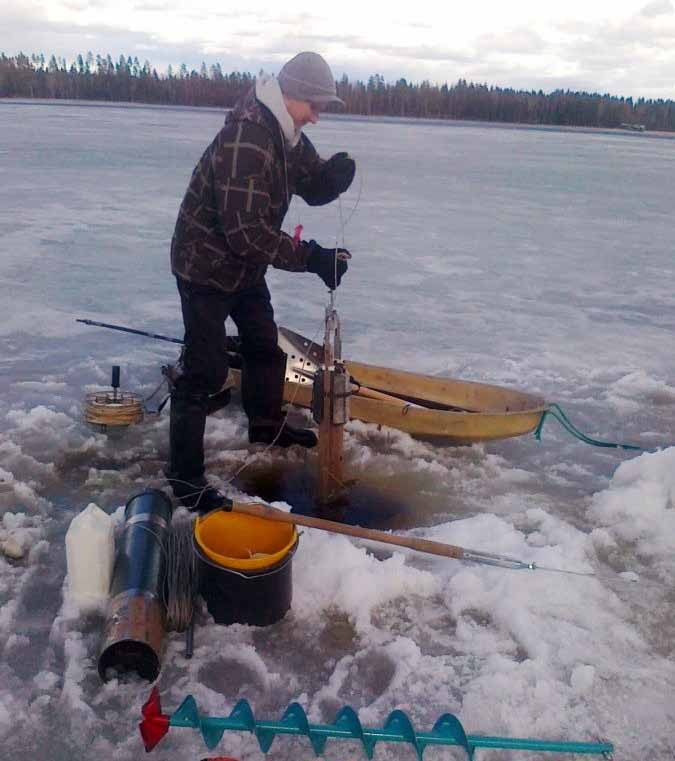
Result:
x=126 y=79
x=97 y=77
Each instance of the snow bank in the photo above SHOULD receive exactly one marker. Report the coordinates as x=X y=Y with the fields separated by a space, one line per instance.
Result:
x=633 y=391
x=332 y=572
x=638 y=510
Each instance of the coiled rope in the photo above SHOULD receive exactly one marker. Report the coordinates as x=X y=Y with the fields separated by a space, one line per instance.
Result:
x=181 y=575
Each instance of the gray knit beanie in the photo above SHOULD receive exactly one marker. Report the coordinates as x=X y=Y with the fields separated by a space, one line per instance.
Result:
x=308 y=77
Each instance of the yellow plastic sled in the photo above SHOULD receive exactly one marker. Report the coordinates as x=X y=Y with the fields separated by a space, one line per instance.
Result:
x=426 y=406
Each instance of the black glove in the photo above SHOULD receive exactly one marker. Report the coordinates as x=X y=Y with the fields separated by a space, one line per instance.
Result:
x=328 y=263
x=338 y=172
x=326 y=184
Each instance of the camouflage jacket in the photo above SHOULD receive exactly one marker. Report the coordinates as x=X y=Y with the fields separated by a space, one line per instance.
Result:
x=229 y=224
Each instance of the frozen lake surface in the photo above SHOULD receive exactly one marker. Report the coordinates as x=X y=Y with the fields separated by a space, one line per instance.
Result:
x=541 y=260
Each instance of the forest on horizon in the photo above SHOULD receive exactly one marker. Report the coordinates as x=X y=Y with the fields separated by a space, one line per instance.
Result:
x=98 y=77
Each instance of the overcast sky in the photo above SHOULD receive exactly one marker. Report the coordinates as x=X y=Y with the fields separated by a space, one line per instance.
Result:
x=619 y=46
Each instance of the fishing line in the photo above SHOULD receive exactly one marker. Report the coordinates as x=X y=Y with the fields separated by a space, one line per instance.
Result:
x=342 y=224
x=358 y=200
x=160 y=406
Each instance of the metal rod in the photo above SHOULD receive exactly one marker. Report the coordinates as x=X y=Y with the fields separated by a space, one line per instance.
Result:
x=190 y=639
x=123 y=329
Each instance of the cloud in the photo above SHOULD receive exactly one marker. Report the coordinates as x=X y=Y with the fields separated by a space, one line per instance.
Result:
x=634 y=43
x=370 y=47
x=657 y=8
x=63 y=39
x=78 y=6
x=627 y=55
x=518 y=41
x=150 y=6
x=297 y=20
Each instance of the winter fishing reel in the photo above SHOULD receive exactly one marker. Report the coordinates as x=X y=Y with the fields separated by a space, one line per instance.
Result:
x=114 y=409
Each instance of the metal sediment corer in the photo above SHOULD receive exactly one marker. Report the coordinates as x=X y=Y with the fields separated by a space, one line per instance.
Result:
x=340 y=394
x=134 y=627
x=447 y=730
x=331 y=393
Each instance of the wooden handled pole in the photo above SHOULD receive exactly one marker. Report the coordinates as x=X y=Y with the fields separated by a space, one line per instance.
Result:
x=412 y=543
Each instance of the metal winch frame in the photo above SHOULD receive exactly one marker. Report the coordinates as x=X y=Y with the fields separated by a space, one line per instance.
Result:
x=323 y=368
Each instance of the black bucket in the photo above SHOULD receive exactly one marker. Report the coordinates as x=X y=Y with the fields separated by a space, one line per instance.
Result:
x=240 y=595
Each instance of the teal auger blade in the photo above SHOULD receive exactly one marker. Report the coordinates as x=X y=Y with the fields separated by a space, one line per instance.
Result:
x=188 y=715
x=448 y=725
x=348 y=719
x=447 y=730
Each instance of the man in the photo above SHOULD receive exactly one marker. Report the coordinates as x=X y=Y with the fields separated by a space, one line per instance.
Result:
x=227 y=233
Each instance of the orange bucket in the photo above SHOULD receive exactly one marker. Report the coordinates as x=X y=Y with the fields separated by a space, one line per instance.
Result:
x=244 y=542
x=245 y=567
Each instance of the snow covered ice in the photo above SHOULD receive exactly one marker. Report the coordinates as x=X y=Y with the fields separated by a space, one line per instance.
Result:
x=538 y=259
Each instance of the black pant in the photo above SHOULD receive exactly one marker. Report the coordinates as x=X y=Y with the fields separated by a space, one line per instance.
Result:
x=205 y=366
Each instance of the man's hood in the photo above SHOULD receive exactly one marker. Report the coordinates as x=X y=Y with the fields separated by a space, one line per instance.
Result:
x=268 y=92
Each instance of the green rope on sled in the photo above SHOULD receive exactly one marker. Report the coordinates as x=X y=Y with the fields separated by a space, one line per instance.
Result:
x=555 y=411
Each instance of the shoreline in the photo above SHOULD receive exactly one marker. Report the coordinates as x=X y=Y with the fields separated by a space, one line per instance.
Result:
x=383 y=118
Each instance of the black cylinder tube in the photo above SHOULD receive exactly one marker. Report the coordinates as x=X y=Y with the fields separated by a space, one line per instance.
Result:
x=134 y=627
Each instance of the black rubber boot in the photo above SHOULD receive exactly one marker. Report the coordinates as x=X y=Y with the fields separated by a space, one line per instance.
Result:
x=197 y=495
x=185 y=471
x=262 y=388
x=218 y=401
x=280 y=433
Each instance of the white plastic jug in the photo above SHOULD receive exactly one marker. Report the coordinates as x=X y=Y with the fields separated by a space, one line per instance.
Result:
x=90 y=553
